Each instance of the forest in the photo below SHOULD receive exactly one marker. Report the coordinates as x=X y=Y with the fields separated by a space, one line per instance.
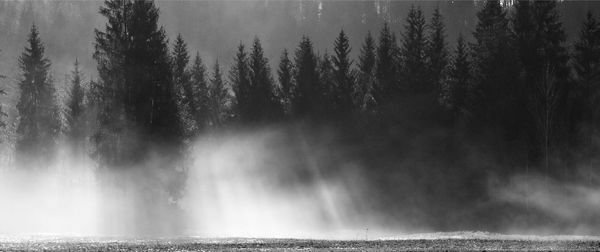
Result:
x=428 y=117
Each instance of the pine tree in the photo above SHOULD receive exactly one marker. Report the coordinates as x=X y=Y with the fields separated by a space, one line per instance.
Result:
x=39 y=124
x=366 y=74
x=200 y=93
x=308 y=96
x=414 y=66
x=459 y=80
x=76 y=108
x=183 y=85
x=239 y=76
x=265 y=105
x=386 y=67
x=219 y=97
x=139 y=97
x=495 y=102
x=344 y=77
x=285 y=74
x=543 y=57
x=327 y=86
x=436 y=52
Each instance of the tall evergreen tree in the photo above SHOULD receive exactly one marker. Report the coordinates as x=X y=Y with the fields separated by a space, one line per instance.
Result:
x=265 y=104
x=386 y=67
x=344 y=77
x=327 y=89
x=38 y=112
x=184 y=90
x=239 y=77
x=139 y=109
x=285 y=74
x=414 y=42
x=366 y=74
x=459 y=80
x=437 y=52
x=308 y=95
x=199 y=86
x=219 y=97
x=495 y=90
x=543 y=56
x=76 y=110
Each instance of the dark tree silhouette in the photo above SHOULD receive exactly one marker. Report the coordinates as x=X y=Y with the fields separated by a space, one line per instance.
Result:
x=495 y=72
x=184 y=90
x=344 y=76
x=459 y=80
x=436 y=51
x=200 y=92
x=327 y=89
x=218 y=97
x=285 y=74
x=308 y=96
x=414 y=66
x=386 y=72
x=239 y=77
x=139 y=110
x=38 y=112
x=264 y=102
x=366 y=74
x=76 y=121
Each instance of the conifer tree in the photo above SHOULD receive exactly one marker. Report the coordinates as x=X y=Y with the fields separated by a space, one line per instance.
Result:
x=437 y=52
x=183 y=85
x=386 y=67
x=200 y=92
x=265 y=105
x=344 y=77
x=366 y=74
x=285 y=74
x=459 y=80
x=495 y=90
x=76 y=110
x=308 y=95
x=38 y=112
x=219 y=97
x=138 y=94
x=327 y=86
x=239 y=77
x=414 y=67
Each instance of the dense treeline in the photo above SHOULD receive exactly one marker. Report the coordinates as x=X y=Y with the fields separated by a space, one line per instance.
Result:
x=517 y=88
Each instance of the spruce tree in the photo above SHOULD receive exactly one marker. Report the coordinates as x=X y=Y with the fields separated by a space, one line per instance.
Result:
x=183 y=85
x=239 y=76
x=459 y=80
x=139 y=97
x=200 y=99
x=76 y=110
x=495 y=102
x=285 y=74
x=343 y=75
x=265 y=105
x=327 y=86
x=38 y=112
x=386 y=67
x=414 y=67
x=436 y=52
x=308 y=95
x=366 y=74
x=218 y=98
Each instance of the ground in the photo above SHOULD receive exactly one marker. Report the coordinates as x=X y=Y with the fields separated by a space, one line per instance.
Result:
x=430 y=242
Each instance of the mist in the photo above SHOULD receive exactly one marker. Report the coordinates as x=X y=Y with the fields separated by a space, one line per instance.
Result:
x=410 y=164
